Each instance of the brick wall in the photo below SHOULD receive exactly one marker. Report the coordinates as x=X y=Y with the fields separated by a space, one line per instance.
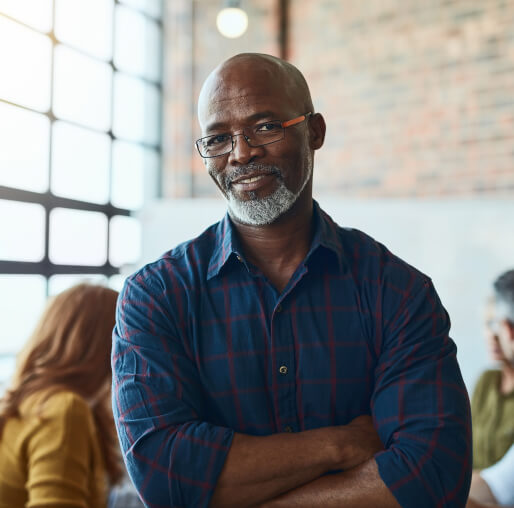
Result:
x=418 y=95
x=193 y=48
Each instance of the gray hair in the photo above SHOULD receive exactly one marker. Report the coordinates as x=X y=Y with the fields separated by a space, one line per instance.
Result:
x=504 y=294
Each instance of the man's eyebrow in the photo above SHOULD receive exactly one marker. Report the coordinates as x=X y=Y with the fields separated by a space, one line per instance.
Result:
x=217 y=126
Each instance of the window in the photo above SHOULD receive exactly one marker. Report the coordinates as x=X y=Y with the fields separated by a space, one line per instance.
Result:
x=80 y=101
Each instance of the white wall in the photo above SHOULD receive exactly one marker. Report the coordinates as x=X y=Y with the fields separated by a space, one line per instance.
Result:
x=461 y=244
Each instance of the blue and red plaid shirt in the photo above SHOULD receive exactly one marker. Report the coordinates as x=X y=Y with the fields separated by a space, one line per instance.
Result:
x=204 y=346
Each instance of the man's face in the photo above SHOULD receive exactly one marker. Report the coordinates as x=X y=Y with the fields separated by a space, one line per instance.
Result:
x=259 y=183
x=498 y=332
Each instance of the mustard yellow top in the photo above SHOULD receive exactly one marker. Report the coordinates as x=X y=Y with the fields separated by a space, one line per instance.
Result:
x=54 y=462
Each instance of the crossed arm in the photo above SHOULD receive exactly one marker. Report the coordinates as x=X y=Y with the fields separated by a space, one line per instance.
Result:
x=287 y=469
x=177 y=457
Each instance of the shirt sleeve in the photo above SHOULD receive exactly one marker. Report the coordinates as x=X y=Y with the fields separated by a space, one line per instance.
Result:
x=173 y=454
x=420 y=404
x=59 y=455
x=500 y=479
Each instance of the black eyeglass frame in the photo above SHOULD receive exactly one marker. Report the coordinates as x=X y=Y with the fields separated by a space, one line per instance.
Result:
x=284 y=125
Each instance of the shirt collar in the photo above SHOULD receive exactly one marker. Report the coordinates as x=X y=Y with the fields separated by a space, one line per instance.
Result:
x=226 y=243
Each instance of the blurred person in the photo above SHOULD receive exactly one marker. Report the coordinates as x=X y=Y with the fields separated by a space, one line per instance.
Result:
x=57 y=437
x=494 y=486
x=492 y=403
x=278 y=347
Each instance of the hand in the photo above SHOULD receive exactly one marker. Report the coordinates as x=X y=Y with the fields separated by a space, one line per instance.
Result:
x=360 y=442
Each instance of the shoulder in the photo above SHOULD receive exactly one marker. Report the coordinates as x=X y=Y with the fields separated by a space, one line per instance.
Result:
x=68 y=405
x=60 y=407
x=487 y=381
x=375 y=267
x=63 y=420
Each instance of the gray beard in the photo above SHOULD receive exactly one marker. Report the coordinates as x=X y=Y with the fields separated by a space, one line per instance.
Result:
x=259 y=212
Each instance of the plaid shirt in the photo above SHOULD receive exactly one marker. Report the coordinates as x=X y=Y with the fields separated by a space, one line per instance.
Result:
x=204 y=346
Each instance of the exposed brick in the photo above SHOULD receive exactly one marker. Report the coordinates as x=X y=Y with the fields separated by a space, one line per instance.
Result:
x=418 y=96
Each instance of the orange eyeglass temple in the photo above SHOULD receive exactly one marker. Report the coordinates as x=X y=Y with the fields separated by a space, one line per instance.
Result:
x=294 y=121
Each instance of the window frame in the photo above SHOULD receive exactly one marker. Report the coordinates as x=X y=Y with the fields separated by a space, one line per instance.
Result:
x=50 y=201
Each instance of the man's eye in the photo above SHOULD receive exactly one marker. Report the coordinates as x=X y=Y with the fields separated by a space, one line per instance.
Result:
x=268 y=127
x=217 y=140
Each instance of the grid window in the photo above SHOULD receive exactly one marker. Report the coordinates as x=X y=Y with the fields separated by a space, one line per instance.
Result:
x=125 y=246
x=141 y=56
x=136 y=104
x=22 y=168
x=76 y=20
x=23 y=239
x=28 y=84
x=59 y=283
x=78 y=237
x=152 y=8
x=18 y=313
x=82 y=89
x=133 y=163
x=80 y=163
x=34 y=13
x=80 y=99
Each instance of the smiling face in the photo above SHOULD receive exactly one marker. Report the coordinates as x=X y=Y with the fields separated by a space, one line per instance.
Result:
x=260 y=183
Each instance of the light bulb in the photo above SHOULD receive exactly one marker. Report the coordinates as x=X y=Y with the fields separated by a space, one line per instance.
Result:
x=232 y=22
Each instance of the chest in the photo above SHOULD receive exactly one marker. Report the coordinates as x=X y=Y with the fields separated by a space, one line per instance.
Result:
x=305 y=355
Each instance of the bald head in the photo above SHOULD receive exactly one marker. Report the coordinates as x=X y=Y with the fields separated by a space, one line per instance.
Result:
x=253 y=74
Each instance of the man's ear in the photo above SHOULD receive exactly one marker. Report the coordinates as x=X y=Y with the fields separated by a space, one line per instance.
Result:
x=317 y=129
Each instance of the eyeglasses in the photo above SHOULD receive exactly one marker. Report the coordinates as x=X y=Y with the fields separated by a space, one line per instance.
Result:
x=258 y=135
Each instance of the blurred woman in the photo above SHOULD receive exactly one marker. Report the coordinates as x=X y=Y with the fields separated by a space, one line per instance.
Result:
x=492 y=404
x=58 y=445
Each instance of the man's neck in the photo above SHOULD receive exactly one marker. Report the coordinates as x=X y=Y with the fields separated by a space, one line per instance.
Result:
x=507 y=381
x=278 y=248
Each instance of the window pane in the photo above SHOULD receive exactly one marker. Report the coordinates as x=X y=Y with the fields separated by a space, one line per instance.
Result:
x=22 y=231
x=134 y=175
x=25 y=66
x=82 y=89
x=7 y=366
x=24 y=147
x=59 y=283
x=125 y=241
x=23 y=301
x=136 y=110
x=137 y=48
x=78 y=237
x=151 y=7
x=36 y=13
x=116 y=281
x=80 y=163
x=85 y=24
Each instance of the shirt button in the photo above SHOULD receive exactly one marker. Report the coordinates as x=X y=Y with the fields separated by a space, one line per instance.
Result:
x=288 y=428
x=239 y=258
x=279 y=308
x=283 y=370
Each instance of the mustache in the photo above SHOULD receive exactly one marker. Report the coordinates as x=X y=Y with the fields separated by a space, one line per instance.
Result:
x=248 y=169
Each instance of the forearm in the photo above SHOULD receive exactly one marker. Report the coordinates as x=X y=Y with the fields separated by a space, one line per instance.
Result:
x=480 y=495
x=479 y=490
x=360 y=487
x=258 y=469
x=261 y=468
x=475 y=504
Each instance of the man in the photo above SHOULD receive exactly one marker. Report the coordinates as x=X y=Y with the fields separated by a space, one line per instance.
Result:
x=494 y=486
x=247 y=361
x=492 y=404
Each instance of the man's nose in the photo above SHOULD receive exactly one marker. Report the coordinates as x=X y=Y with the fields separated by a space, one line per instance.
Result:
x=242 y=152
